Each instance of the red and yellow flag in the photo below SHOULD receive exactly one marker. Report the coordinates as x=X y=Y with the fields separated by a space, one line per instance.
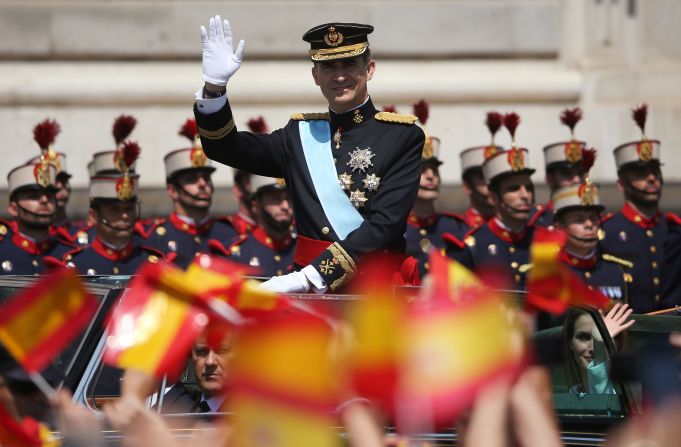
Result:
x=27 y=433
x=452 y=349
x=37 y=324
x=155 y=324
x=284 y=383
x=551 y=285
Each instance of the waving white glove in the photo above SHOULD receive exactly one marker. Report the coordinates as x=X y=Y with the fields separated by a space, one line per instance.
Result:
x=295 y=282
x=220 y=61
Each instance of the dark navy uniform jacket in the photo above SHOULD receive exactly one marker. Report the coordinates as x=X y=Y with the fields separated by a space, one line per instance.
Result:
x=389 y=144
x=267 y=256
x=20 y=255
x=98 y=259
x=425 y=234
x=542 y=216
x=602 y=271
x=636 y=238
x=671 y=267
x=185 y=240
x=490 y=245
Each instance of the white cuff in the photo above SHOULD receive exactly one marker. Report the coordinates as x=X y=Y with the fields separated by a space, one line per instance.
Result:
x=208 y=106
x=318 y=284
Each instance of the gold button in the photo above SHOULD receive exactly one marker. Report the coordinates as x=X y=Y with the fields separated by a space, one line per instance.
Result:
x=116 y=270
x=654 y=264
x=268 y=240
x=587 y=275
x=511 y=249
x=277 y=258
x=422 y=232
x=68 y=257
x=197 y=239
x=573 y=261
x=153 y=259
x=649 y=233
x=637 y=218
x=185 y=226
x=325 y=230
x=657 y=298
x=279 y=272
x=653 y=249
x=505 y=234
x=24 y=244
x=517 y=278
x=108 y=251
x=514 y=265
x=656 y=281
x=35 y=263
x=591 y=287
x=426 y=266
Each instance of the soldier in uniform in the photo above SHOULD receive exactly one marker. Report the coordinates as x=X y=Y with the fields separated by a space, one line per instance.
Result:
x=270 y=246
x=27 y=246
x=577 y=211
x=479 y=210
x=352 y=172
x=425 y=226
x=563 y=164
x=45 y=133
x=671 y=267
x=114 y=208
x=638 y=231
x=504 y=241
x=189 y=185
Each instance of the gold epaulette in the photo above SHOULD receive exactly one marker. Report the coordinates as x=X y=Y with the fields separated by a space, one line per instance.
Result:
x=620 y=261
x=310 y=116
x=398 y=118
x=525 y=268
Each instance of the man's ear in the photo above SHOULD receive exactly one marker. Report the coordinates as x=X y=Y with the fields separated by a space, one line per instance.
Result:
x=371 y=69
x=315 y=74
x=172 y=191
x=620 y=185
x=466 y=188
x=13 y=209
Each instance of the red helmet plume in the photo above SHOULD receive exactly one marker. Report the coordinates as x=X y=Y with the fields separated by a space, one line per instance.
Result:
x=189 y=129
x=570 y=117
x=257 y=125
x=511 y=121
x=45 y=132
x=123 y=127
x=640 y=115
x=421 y=110
x=493 y=122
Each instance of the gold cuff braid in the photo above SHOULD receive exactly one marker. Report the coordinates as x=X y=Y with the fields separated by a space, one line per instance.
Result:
x=346 y=262
x=219 y=133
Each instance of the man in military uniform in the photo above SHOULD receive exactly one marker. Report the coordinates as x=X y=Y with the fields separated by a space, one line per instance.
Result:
x=504 y=241
x=577 y=211
x=27 y=247
x=115 y=209
x=243 y=220
x=374 y=155
x=269 y=247
x=638 y=231
x=671 y=267
x=425 y=226
x=563 y=164
x=479 y=210
x=190 y=187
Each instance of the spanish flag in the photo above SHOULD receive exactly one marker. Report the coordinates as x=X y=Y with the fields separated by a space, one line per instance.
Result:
x=155 y=324
x=37 y=324
x=27 y=433
x=452 y=279
x=453 y=347
x=551 y=286
x=284 y=383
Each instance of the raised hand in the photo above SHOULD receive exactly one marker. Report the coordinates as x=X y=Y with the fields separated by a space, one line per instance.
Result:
x=220 y=61
x=616 y=319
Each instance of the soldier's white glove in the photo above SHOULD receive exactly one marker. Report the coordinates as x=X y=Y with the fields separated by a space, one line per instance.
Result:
x=220 y=61
x=295 y=282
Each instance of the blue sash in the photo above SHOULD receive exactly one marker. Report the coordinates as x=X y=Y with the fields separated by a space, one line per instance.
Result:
x=315 y=136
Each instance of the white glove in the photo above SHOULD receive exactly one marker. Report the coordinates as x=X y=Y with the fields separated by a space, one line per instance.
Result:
x=295 y=282
x=220 y=61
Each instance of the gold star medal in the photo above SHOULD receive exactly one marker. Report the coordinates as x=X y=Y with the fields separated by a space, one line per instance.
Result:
x=371 y=182
x=361 y=159
x=358 y=198
x=345 y=180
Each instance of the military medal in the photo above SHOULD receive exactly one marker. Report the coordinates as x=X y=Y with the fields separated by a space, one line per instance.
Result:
x=345 y=180
x=371 y=182
x=358 y=198
x=337 y=137
x=360 y=159
x=358 y=118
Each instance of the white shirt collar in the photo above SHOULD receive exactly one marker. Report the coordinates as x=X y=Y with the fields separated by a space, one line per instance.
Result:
x=214 y=403
x=365 y=101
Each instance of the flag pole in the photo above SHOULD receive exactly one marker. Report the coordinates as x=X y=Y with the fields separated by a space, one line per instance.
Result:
x=42 y=384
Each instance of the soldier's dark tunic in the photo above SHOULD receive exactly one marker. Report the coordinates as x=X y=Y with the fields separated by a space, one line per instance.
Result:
x=187 y=240
x=542 y=216
x=490 y=245
x=671 y=267
x=602 y=271
x=424 y=234
x=636 y=238
x=20 y=255
x=98 y=259
x=267 y=256
x=74 y=233
x=395 y=146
